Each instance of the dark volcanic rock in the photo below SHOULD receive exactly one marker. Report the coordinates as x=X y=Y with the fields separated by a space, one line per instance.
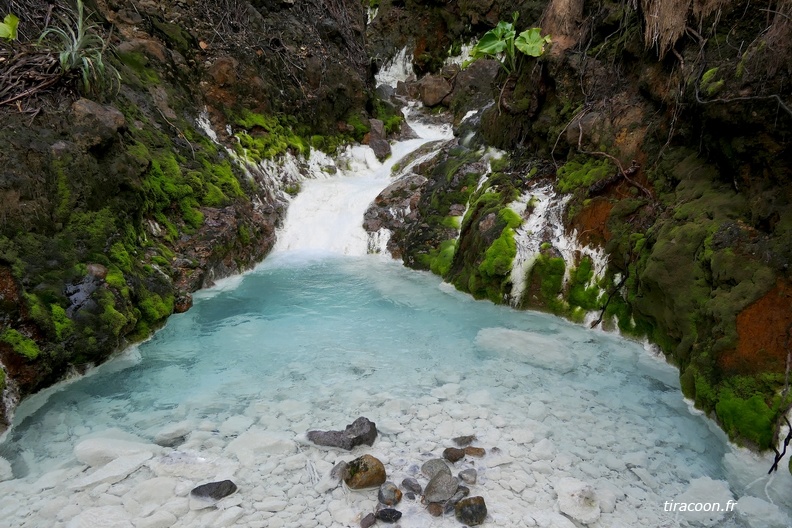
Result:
x=214 y=490
x=389 y=515
x=471 y=511
x=361 y=431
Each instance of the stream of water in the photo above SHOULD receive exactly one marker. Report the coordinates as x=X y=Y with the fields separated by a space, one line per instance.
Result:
x=322 y=333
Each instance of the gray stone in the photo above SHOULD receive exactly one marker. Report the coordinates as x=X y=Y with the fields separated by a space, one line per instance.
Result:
x=471 y=511
x=368 y=521
x=361 y=431
x=435 y=466
x=381 y=148
x=389 y=494
x=468 y=476
x=441 y=488
x=410 y=484
x=377 y=128
x=463 y=441
x=214 y=490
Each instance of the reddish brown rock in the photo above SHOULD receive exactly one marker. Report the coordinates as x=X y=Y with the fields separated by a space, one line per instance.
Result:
x=453 y=454
x=475 y=451
x=365 y=472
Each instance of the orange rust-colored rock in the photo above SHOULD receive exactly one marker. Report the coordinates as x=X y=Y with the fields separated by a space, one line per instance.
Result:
x=592 y=222
x=762 y=330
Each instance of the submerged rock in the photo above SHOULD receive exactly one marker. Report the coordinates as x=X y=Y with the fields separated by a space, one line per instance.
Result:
x=471 y=511
x=365 y=472
x=368 y=521
x=361 y=431
x=410 y=484
x=207 y=495
x=441 y=488
x=468 y=476
x=577 y=500
x=435 y=466
x=389 y=494
x=463 y=441
x=453 y=454
x=389 y=515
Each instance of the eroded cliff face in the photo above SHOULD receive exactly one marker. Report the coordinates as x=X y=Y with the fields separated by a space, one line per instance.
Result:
x=115 y=206
x=665 y=145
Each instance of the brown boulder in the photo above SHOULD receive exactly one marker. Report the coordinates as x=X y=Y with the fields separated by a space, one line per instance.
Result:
x=432 y=89
x=365 y=472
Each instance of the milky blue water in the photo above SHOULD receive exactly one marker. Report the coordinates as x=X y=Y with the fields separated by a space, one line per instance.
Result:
x=312 y=343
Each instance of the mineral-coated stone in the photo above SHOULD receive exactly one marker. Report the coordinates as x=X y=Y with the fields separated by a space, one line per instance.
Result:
x=471 y=511
x=365 y=472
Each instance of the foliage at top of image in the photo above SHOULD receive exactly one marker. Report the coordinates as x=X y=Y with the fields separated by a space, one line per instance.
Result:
x=502 y=41
x=81 y=48
x=8 y=28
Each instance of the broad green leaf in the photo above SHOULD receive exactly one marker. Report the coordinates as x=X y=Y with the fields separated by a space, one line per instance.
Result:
x=531 y=42
x=8 y=29
x=489 y=44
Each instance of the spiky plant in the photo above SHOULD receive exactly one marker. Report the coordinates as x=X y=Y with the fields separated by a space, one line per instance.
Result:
x=81 y=48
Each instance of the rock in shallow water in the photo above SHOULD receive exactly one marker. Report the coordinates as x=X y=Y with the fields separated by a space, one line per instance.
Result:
x=410 y=484
x=361 y=431
x=468 y=476
x=471 y=511
x=389 y=494
x=435 y=466
x=453 y=454
x=365 y=472
x=214 y=490
x=577 y=500
x=389 y=515
x=441 y=488
x=368 y=521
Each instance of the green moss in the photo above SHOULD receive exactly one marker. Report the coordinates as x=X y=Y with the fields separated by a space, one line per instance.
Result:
x=244 y=234
x=190 y=213
x=499 y=256
x=708 y=84
x=549 y=273
x=580 y=294
x=22 y=345
x=111 y=317
x=359 y=128
x=2 y=380
x=574 y=175
x=64 y=327
x=441 y=258
x=154 y=308
x=138 y=64
x=749 y=419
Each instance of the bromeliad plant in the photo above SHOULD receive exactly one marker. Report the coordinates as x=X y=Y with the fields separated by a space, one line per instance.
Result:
x=502 y=42
x=81 y=48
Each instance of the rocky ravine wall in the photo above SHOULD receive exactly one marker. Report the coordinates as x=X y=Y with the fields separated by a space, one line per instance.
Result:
x=115 y=207
x=695 y=222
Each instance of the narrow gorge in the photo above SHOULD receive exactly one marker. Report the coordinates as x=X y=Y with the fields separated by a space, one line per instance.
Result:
x=218 y=197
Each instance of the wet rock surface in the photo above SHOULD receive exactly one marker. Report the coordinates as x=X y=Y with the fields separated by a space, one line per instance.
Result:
x=360 y=432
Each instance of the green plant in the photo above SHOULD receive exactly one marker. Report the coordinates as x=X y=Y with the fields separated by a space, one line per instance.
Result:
x=8 y=28
x=82 y=50
x=502 y=41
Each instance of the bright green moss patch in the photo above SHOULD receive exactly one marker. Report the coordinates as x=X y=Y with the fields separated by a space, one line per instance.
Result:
x=441 y=258
x=154 y=308
x=580 y=294
x=574 y=175
x=2 y=380
x=64 y=326
x=499 y=256
x=549 y=273
x=750 y=418
x=22 y=345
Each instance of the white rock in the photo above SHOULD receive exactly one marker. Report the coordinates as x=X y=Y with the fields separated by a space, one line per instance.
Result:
x=229 y=517
x=539 y=350
x=251 y=445
x=6 y=473
x=703 y=490
x=102 y=517
x=190 y=465
x=151 y=494
x=537 y=411
x=159 y=519
x=389 y=426
x=543 y=450
x=607 y=500
x=522 y=436
x=100 y=451
x=757 y=513
x=645 y=477
x=480 y=397
x=113 y=471
x=549 y=519
x=272 y=505
x=174 y=431
x=235 y=425
x=577 y=499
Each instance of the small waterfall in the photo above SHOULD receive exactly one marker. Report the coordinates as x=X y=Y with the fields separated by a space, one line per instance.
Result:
x=327 y=215
x=543 y=209
x=399 y=68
